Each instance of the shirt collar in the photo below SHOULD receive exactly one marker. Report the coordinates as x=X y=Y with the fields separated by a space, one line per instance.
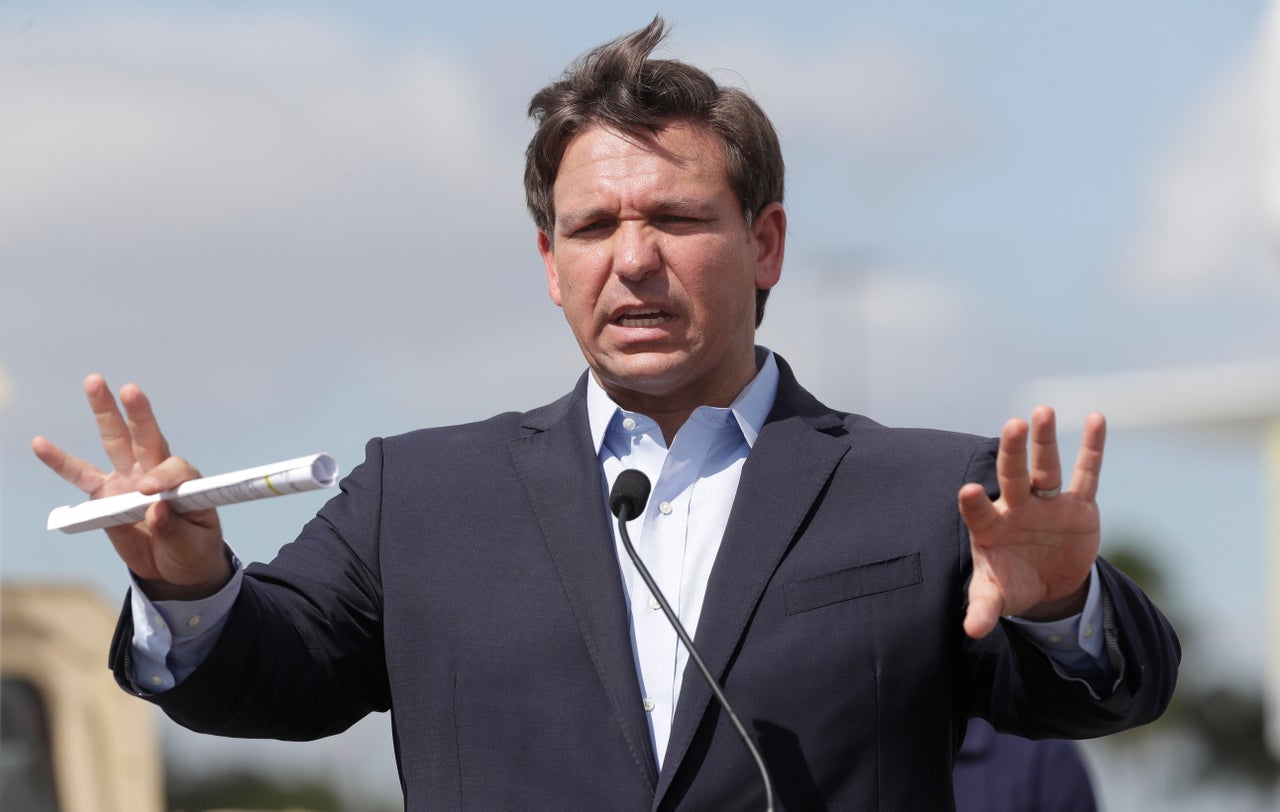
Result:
x=750 y=408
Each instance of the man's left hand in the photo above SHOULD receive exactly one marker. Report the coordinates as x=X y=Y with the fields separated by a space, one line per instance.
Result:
x=1033 y=547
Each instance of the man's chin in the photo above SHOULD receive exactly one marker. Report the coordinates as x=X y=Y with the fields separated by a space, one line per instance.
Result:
x=650 y=373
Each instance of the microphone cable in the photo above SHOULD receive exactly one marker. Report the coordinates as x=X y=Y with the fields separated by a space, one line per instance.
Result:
x=627 y=499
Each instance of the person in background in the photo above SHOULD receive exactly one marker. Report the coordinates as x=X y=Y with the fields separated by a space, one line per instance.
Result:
x=1001 y=772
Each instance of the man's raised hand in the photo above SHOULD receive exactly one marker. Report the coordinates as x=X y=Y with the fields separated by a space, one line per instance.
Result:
x=172 y=555
x=1034 y=546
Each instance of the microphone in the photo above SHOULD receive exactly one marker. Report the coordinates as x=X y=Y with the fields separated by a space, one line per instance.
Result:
x=627 y=499
x=630 y=493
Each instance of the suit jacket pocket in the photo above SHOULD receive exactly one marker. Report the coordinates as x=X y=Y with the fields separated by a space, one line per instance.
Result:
x=855 y=582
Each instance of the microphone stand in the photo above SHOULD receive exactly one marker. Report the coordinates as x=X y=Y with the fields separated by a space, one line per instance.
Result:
x=622 y=512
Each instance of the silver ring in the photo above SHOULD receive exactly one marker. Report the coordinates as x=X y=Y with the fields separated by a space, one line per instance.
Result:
x=1045 y=493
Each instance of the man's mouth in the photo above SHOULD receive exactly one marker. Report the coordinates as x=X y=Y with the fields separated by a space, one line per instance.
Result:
x=644 y=318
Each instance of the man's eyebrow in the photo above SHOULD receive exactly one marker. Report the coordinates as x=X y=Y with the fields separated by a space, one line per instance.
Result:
x=687 y=204
x=583 y=214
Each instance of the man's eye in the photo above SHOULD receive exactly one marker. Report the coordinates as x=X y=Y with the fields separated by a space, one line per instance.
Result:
x=677 y=220
x=588 y=228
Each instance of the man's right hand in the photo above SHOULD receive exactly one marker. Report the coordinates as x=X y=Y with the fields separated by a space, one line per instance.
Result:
x=173 y=556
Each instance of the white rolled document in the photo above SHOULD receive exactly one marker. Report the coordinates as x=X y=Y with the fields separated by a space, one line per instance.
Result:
x=277 y=479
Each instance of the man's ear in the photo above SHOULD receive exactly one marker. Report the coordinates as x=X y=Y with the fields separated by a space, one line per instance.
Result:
x=769 y=234
x=548 y=252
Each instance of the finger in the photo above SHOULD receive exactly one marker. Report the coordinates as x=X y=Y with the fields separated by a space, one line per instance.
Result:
x=976 y=509
x=985 y=608
x=163 y=519
x=170 y=473
x=1011 y=462
x=1084 y=477
x=149 y=446
x=1046 y=468
x=111 y=426
x=79 y=473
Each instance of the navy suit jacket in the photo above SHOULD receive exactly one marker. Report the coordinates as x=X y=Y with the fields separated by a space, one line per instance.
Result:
x=466 y=580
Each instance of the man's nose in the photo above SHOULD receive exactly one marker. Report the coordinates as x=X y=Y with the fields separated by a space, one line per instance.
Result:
x=636 y=252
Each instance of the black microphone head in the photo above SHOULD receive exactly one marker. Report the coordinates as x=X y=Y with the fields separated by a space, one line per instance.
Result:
x=630 y=491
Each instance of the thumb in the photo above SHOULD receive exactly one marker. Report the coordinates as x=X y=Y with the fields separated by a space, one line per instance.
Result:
x=985 y=607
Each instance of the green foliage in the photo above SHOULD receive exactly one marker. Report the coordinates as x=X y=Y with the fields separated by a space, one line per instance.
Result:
x=1225 y=721
x=1228 y=723
x=1126 y=555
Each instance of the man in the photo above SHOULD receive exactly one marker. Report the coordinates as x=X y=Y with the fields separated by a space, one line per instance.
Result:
x=466 y=579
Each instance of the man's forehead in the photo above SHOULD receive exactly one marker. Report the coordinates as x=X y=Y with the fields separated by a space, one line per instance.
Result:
x=600 y=153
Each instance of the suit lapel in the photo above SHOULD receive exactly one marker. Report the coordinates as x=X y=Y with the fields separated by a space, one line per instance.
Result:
x=790 y=463
x=558 y=467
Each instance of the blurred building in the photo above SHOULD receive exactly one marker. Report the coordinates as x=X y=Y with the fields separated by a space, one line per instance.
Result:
x=1227 y=398
x=6 y=388
x=1271 y=124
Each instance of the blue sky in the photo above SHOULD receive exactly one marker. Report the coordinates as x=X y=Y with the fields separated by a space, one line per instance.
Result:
x=300 y=225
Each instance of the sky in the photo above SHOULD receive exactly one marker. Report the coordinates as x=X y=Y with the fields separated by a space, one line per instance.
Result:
x=301 y=225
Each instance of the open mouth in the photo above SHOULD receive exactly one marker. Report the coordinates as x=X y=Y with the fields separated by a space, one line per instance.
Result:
x=645 y=318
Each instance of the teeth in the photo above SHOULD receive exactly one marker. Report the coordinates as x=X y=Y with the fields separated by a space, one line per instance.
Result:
x=644 y=320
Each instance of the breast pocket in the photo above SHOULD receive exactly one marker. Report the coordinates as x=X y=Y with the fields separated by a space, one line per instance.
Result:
x=855 y=582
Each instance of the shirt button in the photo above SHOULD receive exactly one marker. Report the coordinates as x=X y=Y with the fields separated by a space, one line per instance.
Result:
x=1055 y=638
x=158 y=621
x=653 y=603
x=156 y=679
x=649 y=705
x=665 y=507
x=194 y=621
x=1088 y=630
x=629 y=423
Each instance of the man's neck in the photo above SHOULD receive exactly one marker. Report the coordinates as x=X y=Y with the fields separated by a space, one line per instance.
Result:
x=672 y=410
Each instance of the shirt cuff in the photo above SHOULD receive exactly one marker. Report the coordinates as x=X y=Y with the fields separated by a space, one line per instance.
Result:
x=171 y=638
x=1075 y=642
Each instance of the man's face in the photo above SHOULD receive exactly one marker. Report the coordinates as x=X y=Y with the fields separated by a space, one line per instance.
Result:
x=656 y=269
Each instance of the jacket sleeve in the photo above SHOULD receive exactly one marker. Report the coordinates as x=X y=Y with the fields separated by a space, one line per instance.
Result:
x=1020 y=689
x=300 y=656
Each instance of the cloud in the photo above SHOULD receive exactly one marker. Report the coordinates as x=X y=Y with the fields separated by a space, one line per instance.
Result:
x=1206 y=227
x=877 y=100
x=250 y=203
x=172 y=130
x=898 y=343
x=232 y=189
x=287 y=232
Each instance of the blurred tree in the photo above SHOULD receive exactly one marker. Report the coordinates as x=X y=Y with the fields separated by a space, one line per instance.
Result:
x=1224 y=720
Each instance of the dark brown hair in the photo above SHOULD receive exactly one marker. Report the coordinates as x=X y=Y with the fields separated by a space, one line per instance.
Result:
x=618 y=86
